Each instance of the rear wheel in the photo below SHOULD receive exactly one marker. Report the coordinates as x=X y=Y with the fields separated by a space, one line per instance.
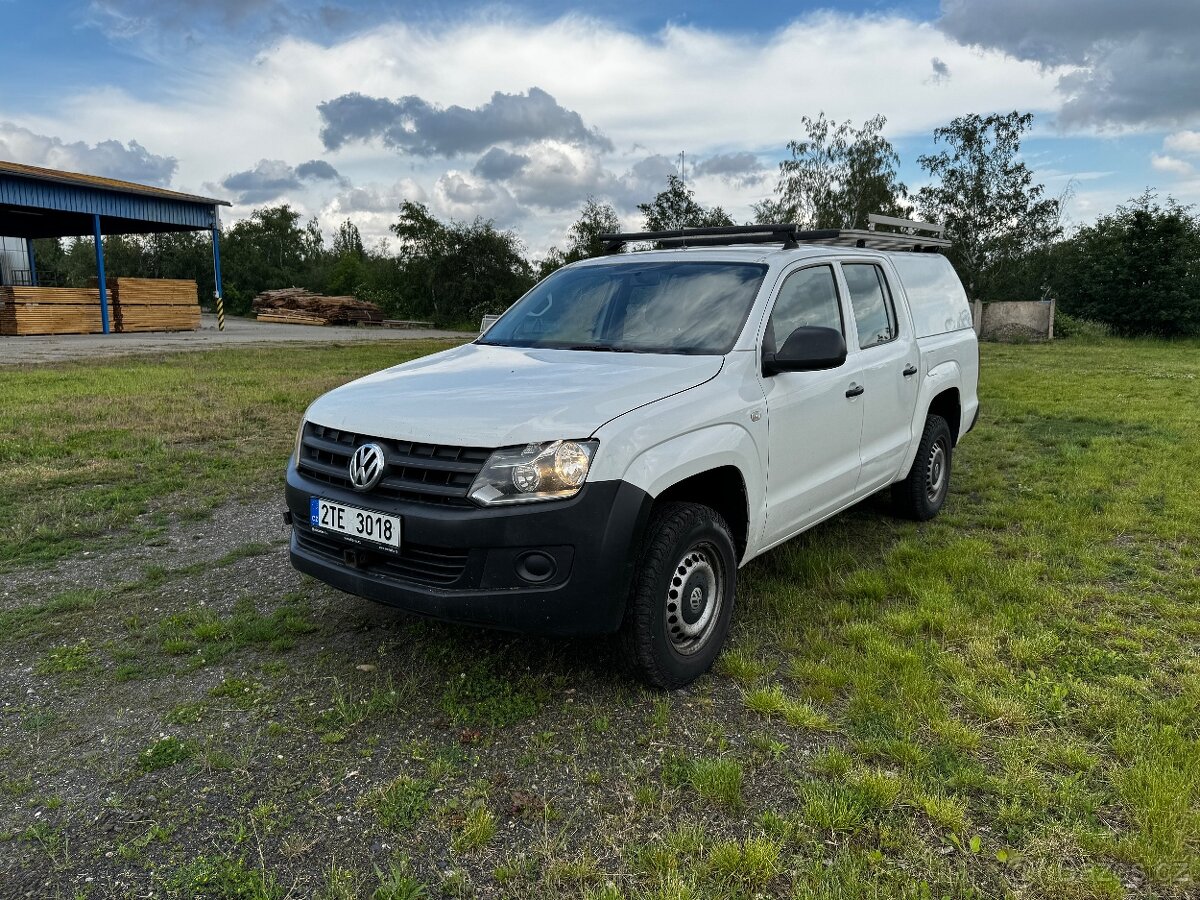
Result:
x=922 y=494
x=682 y=596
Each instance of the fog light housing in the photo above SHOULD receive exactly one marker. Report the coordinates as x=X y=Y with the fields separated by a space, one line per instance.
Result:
x=535 y=566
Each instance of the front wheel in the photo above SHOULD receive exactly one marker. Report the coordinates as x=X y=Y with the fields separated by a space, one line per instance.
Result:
x=922 y=494
x=682 y=596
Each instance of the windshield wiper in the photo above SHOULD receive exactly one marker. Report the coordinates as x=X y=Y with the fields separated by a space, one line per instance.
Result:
x=599 y=348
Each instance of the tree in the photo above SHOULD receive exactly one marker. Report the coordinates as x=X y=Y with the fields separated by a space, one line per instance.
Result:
x=456 y=271
x=993 y=211
x=348 y=241
x=267 y=250
x=583 y=241
x=676 y=207
x=837 y=176
x=1136 y=270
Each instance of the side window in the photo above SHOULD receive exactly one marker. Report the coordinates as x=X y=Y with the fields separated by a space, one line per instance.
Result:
x=874 y=313
x=808 y=297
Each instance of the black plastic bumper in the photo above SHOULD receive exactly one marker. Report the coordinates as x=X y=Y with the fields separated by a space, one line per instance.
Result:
x=472 y=565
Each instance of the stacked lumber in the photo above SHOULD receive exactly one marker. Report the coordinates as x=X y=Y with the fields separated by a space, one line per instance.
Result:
x=47 y=310
x=297 y=306
x=154 y=304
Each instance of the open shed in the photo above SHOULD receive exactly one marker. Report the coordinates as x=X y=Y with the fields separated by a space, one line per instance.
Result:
x=46 y=203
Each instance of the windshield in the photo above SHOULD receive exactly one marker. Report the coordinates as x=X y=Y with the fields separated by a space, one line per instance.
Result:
x=655 y=307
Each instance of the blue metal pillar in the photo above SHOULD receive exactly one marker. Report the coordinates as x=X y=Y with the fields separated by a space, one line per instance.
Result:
x=217 y=294
x=100 y=272
x=32 y=267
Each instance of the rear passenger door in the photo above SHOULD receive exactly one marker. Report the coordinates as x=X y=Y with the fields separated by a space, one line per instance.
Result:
x=887 y=362
x=813 y=418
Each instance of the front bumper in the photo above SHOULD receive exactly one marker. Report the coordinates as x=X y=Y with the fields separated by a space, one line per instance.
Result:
x=473 y=565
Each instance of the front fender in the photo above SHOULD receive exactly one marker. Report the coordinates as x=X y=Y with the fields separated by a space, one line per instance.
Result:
x=681 y=457
x=712 y=447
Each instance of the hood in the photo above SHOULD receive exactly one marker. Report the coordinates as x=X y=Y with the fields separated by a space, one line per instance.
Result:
x=481 y=396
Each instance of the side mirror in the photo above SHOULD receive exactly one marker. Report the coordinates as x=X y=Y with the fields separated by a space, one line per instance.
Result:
x=807 y=349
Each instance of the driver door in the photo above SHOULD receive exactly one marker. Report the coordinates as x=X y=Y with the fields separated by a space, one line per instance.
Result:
x=814 y=419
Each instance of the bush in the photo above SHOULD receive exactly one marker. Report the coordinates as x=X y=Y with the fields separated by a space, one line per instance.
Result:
x=1068 y=326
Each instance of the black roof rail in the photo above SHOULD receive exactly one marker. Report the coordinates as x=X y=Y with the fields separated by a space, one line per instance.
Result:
x=908 y=237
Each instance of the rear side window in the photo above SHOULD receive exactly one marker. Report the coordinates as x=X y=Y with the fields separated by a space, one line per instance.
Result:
x=808 y=297
x=871 y=301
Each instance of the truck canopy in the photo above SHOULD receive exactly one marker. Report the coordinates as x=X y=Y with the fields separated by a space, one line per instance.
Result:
x=935 y=295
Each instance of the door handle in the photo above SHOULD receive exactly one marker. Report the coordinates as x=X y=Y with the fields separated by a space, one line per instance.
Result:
x=910 y=369
x=855 y=390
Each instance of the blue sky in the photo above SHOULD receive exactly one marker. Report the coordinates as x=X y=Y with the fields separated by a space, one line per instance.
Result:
x=519 y=111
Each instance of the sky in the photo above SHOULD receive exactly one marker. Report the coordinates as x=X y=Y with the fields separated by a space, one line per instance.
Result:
x=519 y=112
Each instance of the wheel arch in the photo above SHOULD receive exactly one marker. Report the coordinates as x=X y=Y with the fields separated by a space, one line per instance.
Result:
x=722 y=488
x=948 y=404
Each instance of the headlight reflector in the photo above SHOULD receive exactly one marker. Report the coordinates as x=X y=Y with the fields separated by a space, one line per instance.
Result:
x=553 y=470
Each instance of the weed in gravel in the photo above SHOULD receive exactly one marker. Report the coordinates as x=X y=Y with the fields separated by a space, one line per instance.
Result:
x=478 y=829
x=831 y=808
x=484 y=695
x=50 y=840
x=46 y=619
x=398 y=883
x=65 y=659
x=340 y=884
x=719 y=780
x=401 y=804
x=741 y=665
x=165 y=753
x=215 y=636
x=752 y=864
x=16 y=787
x=242 y=693
x=186 y=713
x=946 y=811
x=772 y=702
x=351 y=707
x=222 y=878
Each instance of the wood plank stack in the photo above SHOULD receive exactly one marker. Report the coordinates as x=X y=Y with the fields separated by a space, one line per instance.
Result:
x=154 y=304
x=297 y=306
x=46 y=310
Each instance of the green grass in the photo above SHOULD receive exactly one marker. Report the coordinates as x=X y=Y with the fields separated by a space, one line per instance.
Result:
x=1004 y=701
x=164 y=753
x=101 y=442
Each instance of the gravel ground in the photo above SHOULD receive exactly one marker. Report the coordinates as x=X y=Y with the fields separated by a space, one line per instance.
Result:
x=25 y=349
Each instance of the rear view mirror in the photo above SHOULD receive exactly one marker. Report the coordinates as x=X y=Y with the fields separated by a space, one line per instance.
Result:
x=807 y=349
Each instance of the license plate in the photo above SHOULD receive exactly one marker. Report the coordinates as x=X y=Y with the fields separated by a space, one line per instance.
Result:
x=360 y=524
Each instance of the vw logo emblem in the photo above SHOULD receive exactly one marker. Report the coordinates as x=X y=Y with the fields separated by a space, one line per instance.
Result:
x=696 y=599
x=366 y=467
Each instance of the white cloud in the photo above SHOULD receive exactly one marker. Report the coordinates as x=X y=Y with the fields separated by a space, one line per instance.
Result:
x=1171 y=165
x=1186 y=143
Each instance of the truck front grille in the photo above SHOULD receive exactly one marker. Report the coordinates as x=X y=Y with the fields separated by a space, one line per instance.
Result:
x=424 y=473
x=432 y=566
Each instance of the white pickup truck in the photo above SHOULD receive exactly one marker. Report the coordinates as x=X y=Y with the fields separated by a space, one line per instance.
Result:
x=637 y=427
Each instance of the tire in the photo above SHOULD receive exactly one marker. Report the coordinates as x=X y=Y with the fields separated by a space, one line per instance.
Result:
x=922 y=494
x=681 y=600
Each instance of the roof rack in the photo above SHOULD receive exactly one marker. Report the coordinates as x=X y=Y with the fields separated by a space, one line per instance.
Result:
x=913 y=236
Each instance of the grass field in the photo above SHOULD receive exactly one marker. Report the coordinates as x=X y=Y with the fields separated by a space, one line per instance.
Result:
x=1002 y=702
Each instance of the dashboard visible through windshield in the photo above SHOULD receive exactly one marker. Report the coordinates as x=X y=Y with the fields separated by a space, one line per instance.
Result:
x=653 y=307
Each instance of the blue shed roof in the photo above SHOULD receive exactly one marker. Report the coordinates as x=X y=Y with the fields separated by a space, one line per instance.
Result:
x=37 y=202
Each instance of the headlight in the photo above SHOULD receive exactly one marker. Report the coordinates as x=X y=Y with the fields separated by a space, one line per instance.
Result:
x=551 y=471
x=299 y=442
